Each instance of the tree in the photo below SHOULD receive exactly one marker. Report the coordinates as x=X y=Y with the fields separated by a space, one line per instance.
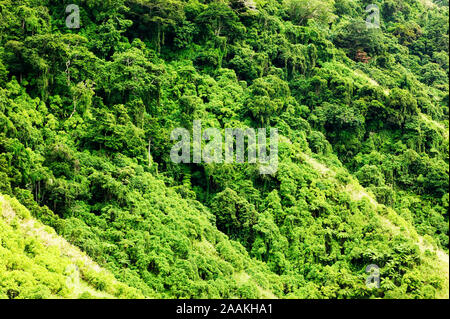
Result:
x=267 y=97
x=162 y=15
x=301 y=11
x=220 y=20
x=131 y=74
x=234 y=215
x=354 y=36
x=402 y=104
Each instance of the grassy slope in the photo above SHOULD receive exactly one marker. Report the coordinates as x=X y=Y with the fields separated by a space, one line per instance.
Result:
x=37 y=263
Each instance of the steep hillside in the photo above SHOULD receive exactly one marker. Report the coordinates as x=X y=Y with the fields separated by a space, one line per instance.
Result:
x=36 y=263
x=92 y=94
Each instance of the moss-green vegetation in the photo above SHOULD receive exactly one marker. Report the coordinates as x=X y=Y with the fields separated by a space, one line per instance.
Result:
x=363 y=172
x=36 y=263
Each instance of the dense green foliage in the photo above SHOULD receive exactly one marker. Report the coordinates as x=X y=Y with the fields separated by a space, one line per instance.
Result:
x=37 y=264
x=362 y=113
